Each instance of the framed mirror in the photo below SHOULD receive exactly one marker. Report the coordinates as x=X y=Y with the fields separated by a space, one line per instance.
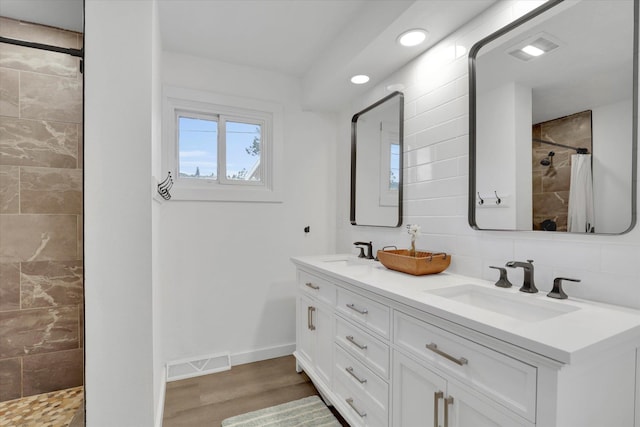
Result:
x=376 y=163
x=553 y=120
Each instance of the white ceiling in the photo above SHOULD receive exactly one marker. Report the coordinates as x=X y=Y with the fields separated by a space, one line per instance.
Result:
x=321 y=42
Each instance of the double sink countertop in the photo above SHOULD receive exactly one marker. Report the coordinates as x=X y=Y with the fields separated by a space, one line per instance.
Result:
x=562 y=330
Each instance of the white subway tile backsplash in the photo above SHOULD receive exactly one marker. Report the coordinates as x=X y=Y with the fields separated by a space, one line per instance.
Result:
x=455 y=147
x=456 y=127
x=453 y=90
x=437 y=170
x=446 y=206
x=621 y=259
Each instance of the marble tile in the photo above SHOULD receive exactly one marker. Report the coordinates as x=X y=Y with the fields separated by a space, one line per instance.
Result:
x=10 y=379
x=38 y=61
x=38 y=143
x=9 y=189
x=45 y=97
x=14 y=29
x=80 y=164
x=9 y=286
x=51 y=283
x=80 y=237
x=556 y=179
x=50 y=190
x=9 y=92
x=38 y=237
x=47 y=372
x=37 y=331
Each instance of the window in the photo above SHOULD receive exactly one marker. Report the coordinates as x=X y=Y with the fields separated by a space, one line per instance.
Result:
x=219 y=148
x=224 y=148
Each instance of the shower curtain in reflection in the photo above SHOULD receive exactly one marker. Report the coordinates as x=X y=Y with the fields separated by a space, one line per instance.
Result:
x=580 y=216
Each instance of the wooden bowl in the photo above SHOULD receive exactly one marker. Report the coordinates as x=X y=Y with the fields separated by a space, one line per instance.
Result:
x=419 y=265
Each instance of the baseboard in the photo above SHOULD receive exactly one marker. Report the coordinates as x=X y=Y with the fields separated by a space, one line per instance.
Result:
x=262 y=354
x=161 y=398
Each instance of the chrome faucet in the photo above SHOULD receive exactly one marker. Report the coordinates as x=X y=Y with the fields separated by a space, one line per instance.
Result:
x=369 y=247
x=528 y=284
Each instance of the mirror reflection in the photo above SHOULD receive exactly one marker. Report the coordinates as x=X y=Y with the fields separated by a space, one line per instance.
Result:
x=552 y=113
x=376 y=163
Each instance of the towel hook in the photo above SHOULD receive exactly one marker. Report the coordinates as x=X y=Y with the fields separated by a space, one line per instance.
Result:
x=165 y=186
x=498 y=200
x=481 y=201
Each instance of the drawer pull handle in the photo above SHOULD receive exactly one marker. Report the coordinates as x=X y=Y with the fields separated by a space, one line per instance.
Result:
x=448 y=401
x=357 y=310
x=360 y=380
x=354 y=342
x=312 y=286
x=459 y=361
x=436 y=397
x=310 y=311
x=350 y=402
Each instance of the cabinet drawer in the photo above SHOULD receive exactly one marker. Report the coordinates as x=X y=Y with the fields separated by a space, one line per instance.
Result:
x=368 y=349
x=364 y=311
x=357 y=407
x=508 y=381
x=362 y=378
x=323 y=290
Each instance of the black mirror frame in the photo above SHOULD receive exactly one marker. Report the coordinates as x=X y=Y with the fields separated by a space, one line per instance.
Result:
x=354 y=120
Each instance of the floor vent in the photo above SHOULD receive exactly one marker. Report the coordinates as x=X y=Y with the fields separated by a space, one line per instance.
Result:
x=194 y=367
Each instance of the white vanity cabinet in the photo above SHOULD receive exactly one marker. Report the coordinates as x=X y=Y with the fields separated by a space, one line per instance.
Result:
x=385 y=355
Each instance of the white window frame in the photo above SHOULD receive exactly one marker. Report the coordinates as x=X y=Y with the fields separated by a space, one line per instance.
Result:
x=210 y=105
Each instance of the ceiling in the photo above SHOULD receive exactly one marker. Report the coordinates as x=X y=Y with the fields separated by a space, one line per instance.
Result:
x=321 y=42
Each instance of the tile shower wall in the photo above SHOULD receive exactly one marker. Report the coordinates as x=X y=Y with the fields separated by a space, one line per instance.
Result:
x=41 y=268
x=436 y=183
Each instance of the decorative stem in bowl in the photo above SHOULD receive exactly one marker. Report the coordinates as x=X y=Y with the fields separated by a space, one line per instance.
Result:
x=413 y=230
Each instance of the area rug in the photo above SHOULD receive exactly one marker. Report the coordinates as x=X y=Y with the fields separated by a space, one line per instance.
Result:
x=307 y=412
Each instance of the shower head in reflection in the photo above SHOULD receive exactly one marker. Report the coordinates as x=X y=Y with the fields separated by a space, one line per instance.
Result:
x=548 y=160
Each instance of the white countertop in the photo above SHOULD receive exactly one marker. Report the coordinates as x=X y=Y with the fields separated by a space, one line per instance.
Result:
x=567 y=337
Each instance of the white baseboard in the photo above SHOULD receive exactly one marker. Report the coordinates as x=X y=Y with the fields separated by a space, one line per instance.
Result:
x=161 y=398
x=262 y=354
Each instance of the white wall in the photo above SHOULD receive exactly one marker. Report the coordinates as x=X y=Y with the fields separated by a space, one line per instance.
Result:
x=118 y=127
x=228 y=284
x=436 y=129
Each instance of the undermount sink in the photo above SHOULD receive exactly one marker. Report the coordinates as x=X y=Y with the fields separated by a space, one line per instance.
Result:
x=499 y=301
x=353 y=265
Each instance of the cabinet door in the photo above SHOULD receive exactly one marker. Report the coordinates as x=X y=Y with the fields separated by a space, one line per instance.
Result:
x=467 y=409
x=315 y=337
x=417 y=393
x=321 y=319
x=305 y=341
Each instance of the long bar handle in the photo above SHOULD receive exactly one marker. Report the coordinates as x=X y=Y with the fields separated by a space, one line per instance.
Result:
x=354 y=342
x=312 y=286
x=459 y=361
x=353 y=374
x=448 y=401
x=350 y=402
x=436 y=397
x=357 y=310
x=310 y=311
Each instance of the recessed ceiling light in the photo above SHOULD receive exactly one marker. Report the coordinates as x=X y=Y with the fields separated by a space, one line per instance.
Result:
x=359 y=79
x=412 y=37
x=532 y=50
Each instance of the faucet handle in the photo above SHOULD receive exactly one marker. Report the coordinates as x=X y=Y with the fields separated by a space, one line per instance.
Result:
x=557 y=291
x=503 y=281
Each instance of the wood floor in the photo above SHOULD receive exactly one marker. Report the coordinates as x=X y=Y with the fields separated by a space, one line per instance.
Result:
x=209 y=399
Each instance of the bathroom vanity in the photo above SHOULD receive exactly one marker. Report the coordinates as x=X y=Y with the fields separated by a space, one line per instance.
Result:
x=390 y=349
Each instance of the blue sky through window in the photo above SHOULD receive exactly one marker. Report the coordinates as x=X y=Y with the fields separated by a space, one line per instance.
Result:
x=198 y=147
